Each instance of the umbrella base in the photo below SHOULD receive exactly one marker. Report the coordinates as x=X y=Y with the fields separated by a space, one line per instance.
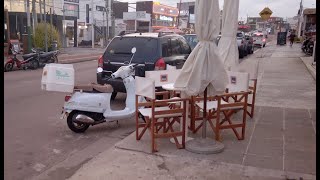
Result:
x=204 y=146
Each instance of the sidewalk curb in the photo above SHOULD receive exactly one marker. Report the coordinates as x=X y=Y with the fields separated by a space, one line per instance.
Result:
x=308 y=65
x=77 y=60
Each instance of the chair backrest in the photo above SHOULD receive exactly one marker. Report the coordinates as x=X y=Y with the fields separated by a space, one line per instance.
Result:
x=238 y=81
x=145 y=87
x=163 y=76
x=249 y=67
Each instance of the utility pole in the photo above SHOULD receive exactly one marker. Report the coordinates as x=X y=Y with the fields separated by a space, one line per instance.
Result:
x=40 y=8
x=179 y=15
x=300 y=19
x=51 y=26
x=28 y=25
x=112 y=20
x=63 y=28
x=104 y=30
x=92 y=24
x=45 y=26
x=107 y=14
x=34 y=16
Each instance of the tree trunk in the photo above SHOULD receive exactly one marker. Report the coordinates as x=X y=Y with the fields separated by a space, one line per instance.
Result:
x=34 y=15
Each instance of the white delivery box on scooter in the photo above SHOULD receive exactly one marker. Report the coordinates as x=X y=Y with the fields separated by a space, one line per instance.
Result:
x=58 y=77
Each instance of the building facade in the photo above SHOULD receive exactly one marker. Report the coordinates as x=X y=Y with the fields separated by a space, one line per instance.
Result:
x=72 y=18
x=162 y=16
x=186 y=17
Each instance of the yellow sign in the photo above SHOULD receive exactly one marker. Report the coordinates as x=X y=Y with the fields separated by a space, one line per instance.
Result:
x=265 y=13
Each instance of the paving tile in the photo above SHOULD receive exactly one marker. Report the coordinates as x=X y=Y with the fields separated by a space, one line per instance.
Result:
x=266 y=147
x=300 y=154
x=296 y=114
x=271 y=110
x=262 y=132
x=300 y=161
x=263 y=162
x=299 y=133
x=308 y=144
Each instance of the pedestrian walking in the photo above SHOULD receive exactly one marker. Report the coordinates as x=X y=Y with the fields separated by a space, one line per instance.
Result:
x=291 y=38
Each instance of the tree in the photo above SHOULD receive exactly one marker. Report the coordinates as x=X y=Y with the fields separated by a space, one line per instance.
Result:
x=39 y=35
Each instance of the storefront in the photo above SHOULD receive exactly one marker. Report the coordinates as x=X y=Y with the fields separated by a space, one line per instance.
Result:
x=163 y=16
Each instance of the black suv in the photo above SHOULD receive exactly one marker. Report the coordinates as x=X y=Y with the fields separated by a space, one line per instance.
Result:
x=154 y=50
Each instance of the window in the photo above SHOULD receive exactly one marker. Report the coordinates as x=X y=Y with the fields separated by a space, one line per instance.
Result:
x=71 y=10
x=100 y=8
x=120 y=49
x=185 y=49
x=165 y=47
x=175 y=47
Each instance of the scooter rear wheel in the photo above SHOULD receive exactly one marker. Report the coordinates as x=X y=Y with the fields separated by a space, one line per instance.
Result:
x=34 y=64
x=76 y=127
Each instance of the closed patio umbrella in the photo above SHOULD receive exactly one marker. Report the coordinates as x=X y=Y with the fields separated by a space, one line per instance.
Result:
x=204 y=68
x=228 y=47
x=204 y=71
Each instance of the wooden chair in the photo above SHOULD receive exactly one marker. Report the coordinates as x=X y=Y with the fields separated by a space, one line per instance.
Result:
x=159 y=117
x=226 y=104
x=252 y=69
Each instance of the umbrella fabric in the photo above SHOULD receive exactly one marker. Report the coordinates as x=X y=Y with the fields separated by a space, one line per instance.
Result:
x=204 y=68
x=228 y=47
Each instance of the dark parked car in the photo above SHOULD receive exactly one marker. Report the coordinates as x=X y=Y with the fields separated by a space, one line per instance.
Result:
x=154 y=50
x=193 y=41
x=242 y=44
x=250 y=45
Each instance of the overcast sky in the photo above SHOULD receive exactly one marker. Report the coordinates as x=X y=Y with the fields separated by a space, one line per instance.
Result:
x=280 y=8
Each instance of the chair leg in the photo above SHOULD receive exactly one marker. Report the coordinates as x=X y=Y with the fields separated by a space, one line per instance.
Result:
x=145 y=127
x=244 y=119
x=153 y=145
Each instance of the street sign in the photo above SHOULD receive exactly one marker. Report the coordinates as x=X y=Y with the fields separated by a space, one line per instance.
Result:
x=265 y=13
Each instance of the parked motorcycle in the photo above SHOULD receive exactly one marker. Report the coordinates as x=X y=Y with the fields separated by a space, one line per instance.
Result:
x=29 y=61
x=46 y=57
x=307 y=46
x=90 y=104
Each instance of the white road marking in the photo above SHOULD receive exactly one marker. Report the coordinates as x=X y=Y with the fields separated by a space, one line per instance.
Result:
x=38 y=167
x=57 y=151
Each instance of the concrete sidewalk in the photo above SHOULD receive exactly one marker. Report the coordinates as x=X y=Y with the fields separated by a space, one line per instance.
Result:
x=280 y=141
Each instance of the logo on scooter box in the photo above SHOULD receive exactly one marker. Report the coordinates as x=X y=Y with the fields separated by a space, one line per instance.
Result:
x=62 y=75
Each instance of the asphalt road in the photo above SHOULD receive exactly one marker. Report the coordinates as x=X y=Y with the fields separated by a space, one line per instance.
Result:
x=37 y=143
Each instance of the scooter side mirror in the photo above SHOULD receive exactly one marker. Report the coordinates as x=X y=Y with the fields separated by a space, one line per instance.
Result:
x=99 y=70
x=133 y=50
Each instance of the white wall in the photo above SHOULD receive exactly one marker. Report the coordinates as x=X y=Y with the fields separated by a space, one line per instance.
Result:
x=98 y=16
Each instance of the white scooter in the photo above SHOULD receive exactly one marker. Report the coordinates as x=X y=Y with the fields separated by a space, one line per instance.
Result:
x=90 y=104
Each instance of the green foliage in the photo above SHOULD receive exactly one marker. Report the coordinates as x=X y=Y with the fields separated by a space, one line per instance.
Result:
x=296 y=39
x=39 y=36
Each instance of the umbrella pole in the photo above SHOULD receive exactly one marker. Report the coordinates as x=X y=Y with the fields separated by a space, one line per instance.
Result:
x=204 y=122
x=204 y=145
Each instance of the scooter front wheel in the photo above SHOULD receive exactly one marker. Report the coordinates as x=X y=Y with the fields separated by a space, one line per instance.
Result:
x=76 y=127
x=8 y=66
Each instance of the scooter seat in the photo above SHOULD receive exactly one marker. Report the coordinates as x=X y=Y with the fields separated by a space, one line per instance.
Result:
x=47 y=54
x=106 y=88
x=27 y=56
